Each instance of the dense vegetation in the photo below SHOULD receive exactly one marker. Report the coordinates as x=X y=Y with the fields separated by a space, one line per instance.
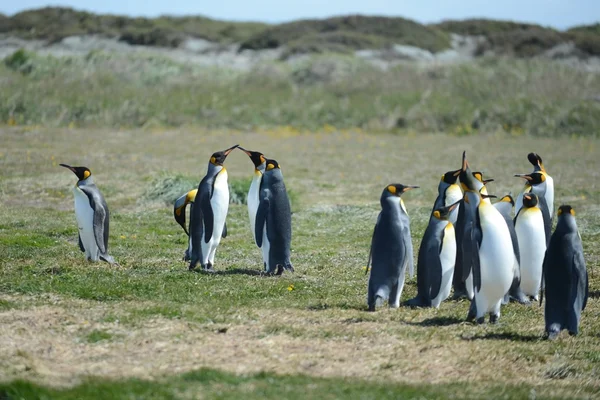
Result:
x=112 y=89
x=339 y=34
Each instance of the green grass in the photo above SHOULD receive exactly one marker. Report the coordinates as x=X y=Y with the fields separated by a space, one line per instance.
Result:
x=215 y=384
x=339 y=92
x=148 y=327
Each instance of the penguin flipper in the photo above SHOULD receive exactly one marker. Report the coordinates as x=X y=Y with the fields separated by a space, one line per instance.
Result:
x=261 y=217
x=100 y=217
x=208 y=218
x=81 y=244
x=543 y=205
x=410 y=259
x=224 y=234
x=475 y=243
x=579 y=265
x=434 y=276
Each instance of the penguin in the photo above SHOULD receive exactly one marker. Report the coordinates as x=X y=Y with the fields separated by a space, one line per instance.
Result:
x=449 y=192
x=92 y=216
x=538 y=166
x=260 y=164
x=565 y=276
x=179 y=214
x=491 y=251
x=536 y=184
x=529 y=226
x=391 y=249
x=472 y=184
x=435 y=262
x=207 y=219
x=273 y=226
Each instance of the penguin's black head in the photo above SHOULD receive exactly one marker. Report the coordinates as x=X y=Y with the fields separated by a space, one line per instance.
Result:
x=535 y=178
x=443 y=213
x=272 y=164
x=219 y=157
x=530 y=200
x=566 y=210
x=81 y=172
x=536 y=161
x=508 y=199
x=451 y=177
x=397 y=188
x=256 y=157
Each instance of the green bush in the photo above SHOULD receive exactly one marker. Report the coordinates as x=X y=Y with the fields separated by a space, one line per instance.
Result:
x=19 y=61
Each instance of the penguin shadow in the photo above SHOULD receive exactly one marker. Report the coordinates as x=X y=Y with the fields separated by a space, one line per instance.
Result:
x=511 y=336
x=232 y=271
x=439 y=321
x=594 y=294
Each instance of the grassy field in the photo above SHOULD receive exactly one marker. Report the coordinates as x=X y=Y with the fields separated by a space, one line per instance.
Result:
x=151 y=329
x=106 y=89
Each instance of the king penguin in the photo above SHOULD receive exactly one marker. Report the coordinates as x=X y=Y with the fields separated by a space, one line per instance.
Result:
x=548 y=187
x=391 y=249
x=505 y=206
x=472 y=184
x=179 y=214
x=92 y=216
x=529 y=225
x=449 y=193
x=253 y=199
x=435 y=262
x=273 y=227
x=536 y=184
x=491 y=251
x=565 y=276
x=208 y=214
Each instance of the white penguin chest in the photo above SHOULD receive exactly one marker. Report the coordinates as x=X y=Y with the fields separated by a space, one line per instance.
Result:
x=496 y=257
x=85 y=220
x=253 y=199
x=532 y=246
x=219 y=203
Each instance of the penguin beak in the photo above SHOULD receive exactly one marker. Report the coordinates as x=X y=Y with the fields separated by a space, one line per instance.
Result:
x=524 y=176
x=69 y=167
x=486 y=181
x=488 y=196
x=244 y=150
x=229 y=150
x=407 y=188
x=457 y=172
x=451 y=207
x=465 y=163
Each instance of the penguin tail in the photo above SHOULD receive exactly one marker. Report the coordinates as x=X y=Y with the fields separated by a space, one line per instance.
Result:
x=108 y=259
x=379 y=300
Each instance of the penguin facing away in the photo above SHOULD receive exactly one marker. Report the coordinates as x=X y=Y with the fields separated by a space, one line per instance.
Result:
x=273 y=227
x=435 y=263
x=565 y=276
x=491 y=250
x=179 y=214
x=391 y=249
x=548 y=192
x=253 y=198
x=92 y=216
x=529 y=226
x=207 y=220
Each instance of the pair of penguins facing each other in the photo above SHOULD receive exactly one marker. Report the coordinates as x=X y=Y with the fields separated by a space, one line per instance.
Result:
x=268 y=209
x=480 y=250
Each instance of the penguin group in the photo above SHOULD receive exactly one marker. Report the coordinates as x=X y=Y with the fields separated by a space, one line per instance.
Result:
x=478 y=250
x=470 y=246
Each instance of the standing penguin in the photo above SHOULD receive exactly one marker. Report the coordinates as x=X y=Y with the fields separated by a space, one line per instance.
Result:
x=491 y=251
x=548 y=188
x=273 y=227
x=449 y=192
x=253 y=199
x=391 y=249
x=536 y=184
x=529 y=226
x=92 y=216
x=207 y=220
x=435 y=263
x=565 y=276
x=505 y=206
x=179 y=214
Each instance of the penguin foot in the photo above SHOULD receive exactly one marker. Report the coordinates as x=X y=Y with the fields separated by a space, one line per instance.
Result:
x=415 y=302
x=521 y=300
x=572 y=333
x=472 y=312
x=460 y=294
x=552 y=335
x=371 y=307
x=208 y=268
x=480 y=320
x=494 y=318
x=279 y=269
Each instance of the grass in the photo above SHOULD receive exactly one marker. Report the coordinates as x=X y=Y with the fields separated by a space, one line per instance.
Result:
x=149 y=327
x=322 y=92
